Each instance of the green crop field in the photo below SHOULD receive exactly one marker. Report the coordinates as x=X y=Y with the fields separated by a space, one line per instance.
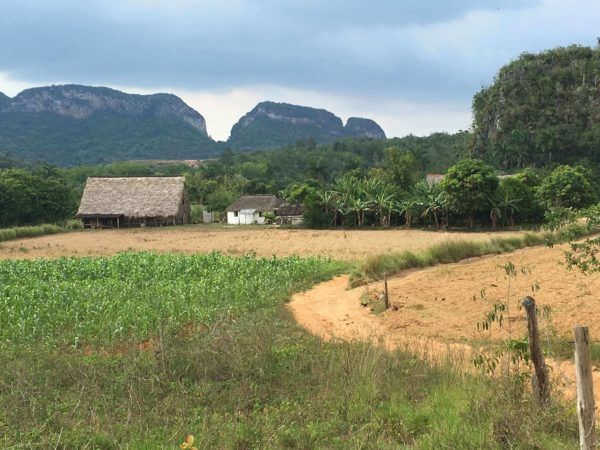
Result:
x=75 y=301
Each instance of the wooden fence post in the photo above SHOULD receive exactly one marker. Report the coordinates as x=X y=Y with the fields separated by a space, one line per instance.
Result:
x=585 y=389
x=542 y=383
x=386 y=295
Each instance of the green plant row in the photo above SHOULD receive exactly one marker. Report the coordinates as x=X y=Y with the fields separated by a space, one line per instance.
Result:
x=374 y=268
x=7 y=234
x=104 y=300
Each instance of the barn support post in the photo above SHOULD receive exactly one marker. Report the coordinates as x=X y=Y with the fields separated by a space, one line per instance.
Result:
x=118 y=223
x=542 y=382
x=585 y=389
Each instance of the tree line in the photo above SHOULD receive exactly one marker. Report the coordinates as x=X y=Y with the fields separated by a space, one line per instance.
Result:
x=34 y=196
x=470 y=194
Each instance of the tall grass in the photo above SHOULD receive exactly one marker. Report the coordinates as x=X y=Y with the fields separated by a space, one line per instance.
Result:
x=256 y=380
x=374 y=267
x=6 y=234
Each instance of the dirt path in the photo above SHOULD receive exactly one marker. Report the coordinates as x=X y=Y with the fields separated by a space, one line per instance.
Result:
x=331 y=311
x=438 y=308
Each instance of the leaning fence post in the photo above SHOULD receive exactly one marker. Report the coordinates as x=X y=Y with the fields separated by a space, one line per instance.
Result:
x=386 y=297
x=542 y=383
x=585 y=389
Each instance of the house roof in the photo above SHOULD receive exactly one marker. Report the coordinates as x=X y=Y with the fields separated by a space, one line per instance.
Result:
x=132 y=197
x=290 y=210
x=257 y=202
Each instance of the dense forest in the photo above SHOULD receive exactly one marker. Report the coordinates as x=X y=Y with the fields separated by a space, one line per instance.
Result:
x=541 y=110
x=348 y=183
x=101 y=138
x=216 y=183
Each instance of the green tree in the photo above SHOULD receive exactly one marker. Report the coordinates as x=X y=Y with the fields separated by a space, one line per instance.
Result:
x=520 y=190
x=29 y=198
x=567 y=187
x=401 y=167
x=221 y=198
x=468 y=186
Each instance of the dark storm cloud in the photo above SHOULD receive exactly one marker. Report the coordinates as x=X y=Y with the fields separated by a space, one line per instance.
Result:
x=335 y=46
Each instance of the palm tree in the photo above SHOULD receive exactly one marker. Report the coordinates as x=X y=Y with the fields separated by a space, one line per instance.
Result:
x=495 y=212
x=509 y=206
x=358 y=206
x=328 y=199
x=503 y=207
x=381 y=197
x=409 y=206
x=431 y=200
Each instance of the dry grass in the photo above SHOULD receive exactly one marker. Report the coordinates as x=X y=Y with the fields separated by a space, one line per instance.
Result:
x=345 y=245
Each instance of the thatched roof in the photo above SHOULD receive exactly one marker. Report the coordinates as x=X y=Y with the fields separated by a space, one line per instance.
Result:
x=133 y=197
x=257 y=202
x=288 y=209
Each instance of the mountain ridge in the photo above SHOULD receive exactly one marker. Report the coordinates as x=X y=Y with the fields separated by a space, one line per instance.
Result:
x=270 y=124
x=75 y=124
x=81 y=101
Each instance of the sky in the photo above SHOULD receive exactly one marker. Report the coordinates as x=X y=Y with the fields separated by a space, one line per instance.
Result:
x=411 y=65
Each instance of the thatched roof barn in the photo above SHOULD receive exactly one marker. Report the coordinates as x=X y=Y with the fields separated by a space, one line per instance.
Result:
x=257 y=202
x=134 y=201
x=290 y=214
x=250 y=209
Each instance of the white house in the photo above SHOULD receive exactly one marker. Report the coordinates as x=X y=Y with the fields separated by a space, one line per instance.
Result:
x=251 y=209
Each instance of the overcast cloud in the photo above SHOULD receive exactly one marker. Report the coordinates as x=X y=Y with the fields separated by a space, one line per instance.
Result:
x=411 y=65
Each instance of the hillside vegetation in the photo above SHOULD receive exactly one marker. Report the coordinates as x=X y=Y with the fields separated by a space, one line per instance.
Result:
x=542 y=109
x=100 y=138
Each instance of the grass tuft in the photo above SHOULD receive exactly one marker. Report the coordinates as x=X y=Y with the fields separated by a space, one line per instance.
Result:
x=374 y=267
x=7 y=234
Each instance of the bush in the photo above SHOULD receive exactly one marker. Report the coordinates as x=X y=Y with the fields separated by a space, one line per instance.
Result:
x=196 y=213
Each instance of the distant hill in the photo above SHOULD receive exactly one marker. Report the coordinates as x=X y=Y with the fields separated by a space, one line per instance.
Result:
x=4 y=99
x=542 y=109
x=72 y=124
x=272 y=125
x=357 y=127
